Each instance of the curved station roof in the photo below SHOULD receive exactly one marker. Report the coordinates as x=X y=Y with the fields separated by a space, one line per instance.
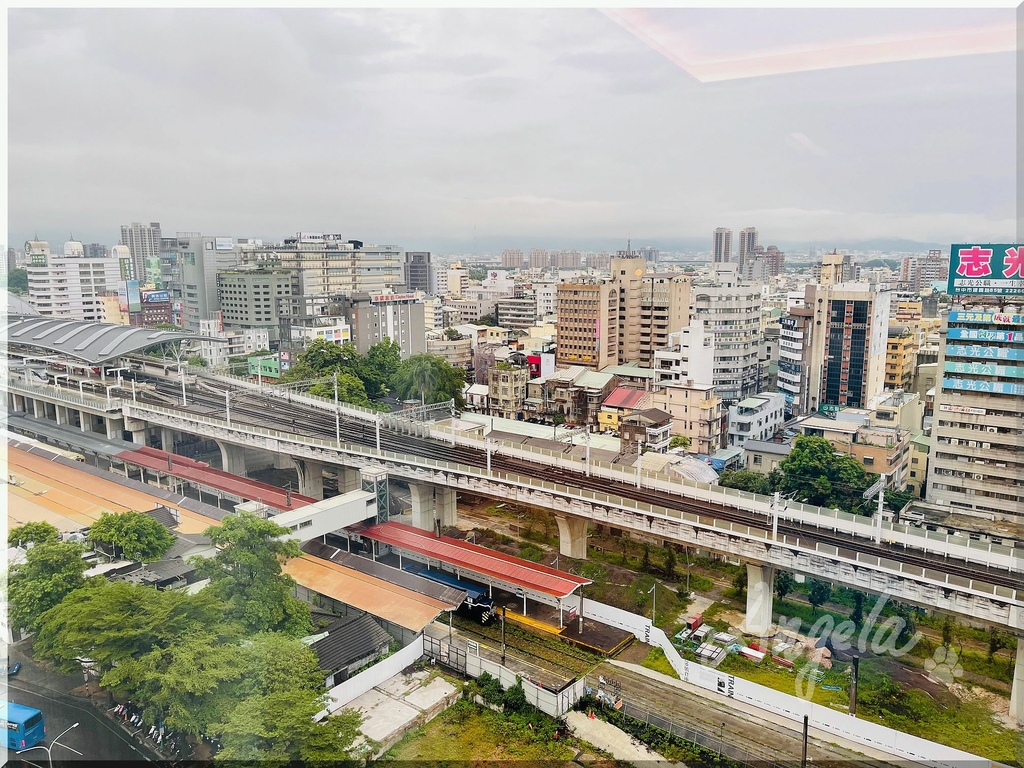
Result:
x=90 y=342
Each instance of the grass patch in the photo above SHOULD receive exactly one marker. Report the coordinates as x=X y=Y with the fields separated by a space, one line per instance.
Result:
x=466 y=734
x=553 y=652
x=657 y=661
x=531 y=552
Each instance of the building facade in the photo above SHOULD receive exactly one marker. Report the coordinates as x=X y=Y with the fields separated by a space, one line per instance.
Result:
x=375 y=317
x=417 y=271
x=143 y=243
x=69 y=288
x=721 y=246
x=975 y=465
x=731 y=312
x=757 y=417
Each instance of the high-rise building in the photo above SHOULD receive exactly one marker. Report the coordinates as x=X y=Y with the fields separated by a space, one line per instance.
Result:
x=143 y=243
x=69 y=287
x=329 y=264
x=512 y=258
x=588 y=324
x=900 y=357
x=538 y=258
x=747 y=243
x=917 y=272
x=975 y=466
x=648 y=307
x=793 y=378
x=649 y=254
x=848 y=348
x=398 y=317
x=721 y=246
x=730 y=309
x=254 y=298
x=200 y=258
x=775 y=260
x=96 y=251
x=417 y=271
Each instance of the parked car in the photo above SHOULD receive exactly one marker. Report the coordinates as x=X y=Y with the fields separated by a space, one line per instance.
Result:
x=11 y=670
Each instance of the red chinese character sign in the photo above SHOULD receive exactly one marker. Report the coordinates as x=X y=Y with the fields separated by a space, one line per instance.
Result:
x=986 y=269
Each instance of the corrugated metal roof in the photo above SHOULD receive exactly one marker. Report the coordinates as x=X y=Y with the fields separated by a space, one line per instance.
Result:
x=450 y=595
x=89 y=342
x=387 y=601
x=197 y=471
x=479 y=560
x=348 y=640
x=626 y=398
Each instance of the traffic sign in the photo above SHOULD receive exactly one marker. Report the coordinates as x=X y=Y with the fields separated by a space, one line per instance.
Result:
x=879 y=484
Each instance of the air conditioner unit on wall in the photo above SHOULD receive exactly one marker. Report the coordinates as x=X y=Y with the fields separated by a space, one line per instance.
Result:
x=979 y=477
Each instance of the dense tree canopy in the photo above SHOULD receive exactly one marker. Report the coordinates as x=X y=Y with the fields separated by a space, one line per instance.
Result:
x=50 y=571
x=132 y=534
x=33 y=532
x=430 y=379
x=17 y=281
x=816 y=474
x=114 y=622
x=373 y=371
x=246 y=574
x=744 y=480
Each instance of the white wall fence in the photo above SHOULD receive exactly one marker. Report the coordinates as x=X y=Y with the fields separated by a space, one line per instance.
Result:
x=343 y=693
x=549 y=702
x=794 y=708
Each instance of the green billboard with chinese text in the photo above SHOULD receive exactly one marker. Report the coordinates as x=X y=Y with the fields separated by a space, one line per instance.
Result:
x=991 y=269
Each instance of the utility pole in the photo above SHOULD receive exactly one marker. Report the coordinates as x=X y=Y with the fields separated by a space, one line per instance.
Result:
x=184 y=401
x=776 y=500
x=503 y=635
x=639 y=460
x=337 y=413
x=854 y=677
x=803 y=759
x=588 y=449
x=881 y=503
x=377 y=423
x=227 y=405
x=654 y=603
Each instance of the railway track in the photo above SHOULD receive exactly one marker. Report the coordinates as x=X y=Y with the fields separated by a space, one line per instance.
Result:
x=260 y=410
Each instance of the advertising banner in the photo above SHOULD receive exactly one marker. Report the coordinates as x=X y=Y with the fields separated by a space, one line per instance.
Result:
x=986 y=318
x=983 y=334
x=134 y=296
x=991 y=269
x=986 y=353
x=122 y=296
x=155 y=297
x=223 y=243
x=986 y=369
x=973 y=385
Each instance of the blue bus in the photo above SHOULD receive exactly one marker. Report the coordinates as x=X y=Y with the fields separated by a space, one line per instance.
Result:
x=24 y=725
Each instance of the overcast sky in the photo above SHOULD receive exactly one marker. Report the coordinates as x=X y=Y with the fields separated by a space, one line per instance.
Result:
x=532 y=126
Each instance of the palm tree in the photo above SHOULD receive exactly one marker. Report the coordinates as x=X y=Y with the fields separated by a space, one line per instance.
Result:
x=417 y=374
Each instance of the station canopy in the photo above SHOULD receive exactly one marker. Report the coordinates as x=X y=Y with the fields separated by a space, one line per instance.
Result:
x=92 y=343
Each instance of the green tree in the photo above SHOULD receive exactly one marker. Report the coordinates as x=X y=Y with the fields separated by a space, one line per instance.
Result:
x=350 y=390
x=34 y=532
x=739 y=581
x=996 y=641
x=381 y=364
x=744 y=480
x=897 y=500
x=819 y=594
x=670 y=562
x=114 y=622
x=198 y=361
x=784 y=584
x=679 y=441
x=430 y=378
x=857 y=616
x=645 y=558
x=246 y=574
x=17 y=281
x=278 y=728
x=190 y=683
x=491 y=320
x=137 y=536
x=947 y=630
x=49 y=573
x=451 y=334
x=818 y=475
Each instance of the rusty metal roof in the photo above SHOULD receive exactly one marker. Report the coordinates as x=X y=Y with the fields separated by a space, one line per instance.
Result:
x=471 y=558
x=388 y=601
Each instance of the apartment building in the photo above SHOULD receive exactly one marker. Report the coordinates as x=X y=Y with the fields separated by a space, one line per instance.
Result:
x=731 y=312
x=900 y=357
x=757 y=417
x=882 y=450
x=69 y=287
x=976 y=465
x=506 y=389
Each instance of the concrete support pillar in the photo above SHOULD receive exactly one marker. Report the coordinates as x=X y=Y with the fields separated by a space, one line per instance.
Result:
x=348 y=479
x=232 y=458
x=760 y=592
x=139 y=436
x=433 y=502
x=572 y=536
x=1017 y=687
x=38 y=409
x=85 y=421
x=167 y=439
x=311 y=477
x=62 y=415
x=18 y=404
x=114 y=426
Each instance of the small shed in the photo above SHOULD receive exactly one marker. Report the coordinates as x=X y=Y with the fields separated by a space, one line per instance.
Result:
x=347 y=645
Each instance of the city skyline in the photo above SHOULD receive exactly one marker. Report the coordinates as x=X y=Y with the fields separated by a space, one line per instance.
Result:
x=530 y=128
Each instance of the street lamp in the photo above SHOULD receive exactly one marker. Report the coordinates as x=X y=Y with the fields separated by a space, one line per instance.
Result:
x=52 y=745
x=721 y=742
x=654 y=603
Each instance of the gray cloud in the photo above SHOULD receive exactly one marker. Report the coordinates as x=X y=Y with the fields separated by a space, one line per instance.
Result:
x=410 y=126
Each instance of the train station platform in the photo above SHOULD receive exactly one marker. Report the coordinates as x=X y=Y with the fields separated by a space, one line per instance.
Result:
x=492 y=567
x=203 y=475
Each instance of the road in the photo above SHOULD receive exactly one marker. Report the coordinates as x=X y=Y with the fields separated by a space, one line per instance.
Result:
x=99 y=741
